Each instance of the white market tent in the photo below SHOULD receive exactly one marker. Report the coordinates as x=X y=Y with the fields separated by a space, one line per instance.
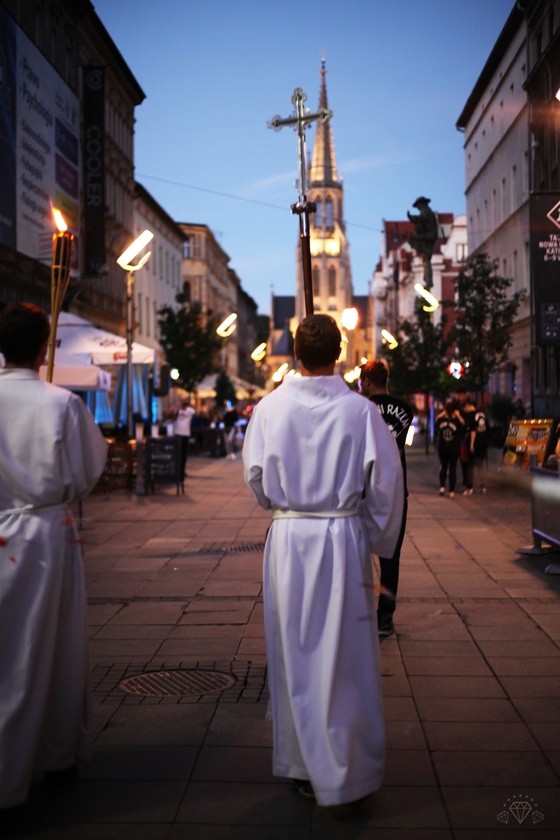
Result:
x=76 y=372
x=76 y=336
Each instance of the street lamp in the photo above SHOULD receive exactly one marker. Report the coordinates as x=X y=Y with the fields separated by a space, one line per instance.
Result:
x=125 y=261
x=432 y=302
x=389 y=339
x=259 y=352
x=224 y=330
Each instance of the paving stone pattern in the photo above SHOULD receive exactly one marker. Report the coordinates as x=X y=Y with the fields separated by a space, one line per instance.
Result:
x=471 y=679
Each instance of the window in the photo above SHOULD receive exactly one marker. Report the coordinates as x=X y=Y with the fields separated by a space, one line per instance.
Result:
x=187 y=249
x=316 y=278
x=329 y=214
x=331 y=279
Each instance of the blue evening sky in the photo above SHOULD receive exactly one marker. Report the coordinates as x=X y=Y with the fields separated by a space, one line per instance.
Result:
x=215 y=71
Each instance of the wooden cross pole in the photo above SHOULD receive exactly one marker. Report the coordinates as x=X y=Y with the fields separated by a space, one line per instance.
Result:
x=301 y=120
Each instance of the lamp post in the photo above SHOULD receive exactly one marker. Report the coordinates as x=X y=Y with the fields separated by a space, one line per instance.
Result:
x=125 y=262
x=224 y=330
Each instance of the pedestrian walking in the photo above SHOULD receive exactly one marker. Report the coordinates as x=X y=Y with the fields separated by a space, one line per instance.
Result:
x=322 y=460
x=449 y=432
x=468 y=410
x=51 y=454
x=398 y=415
x=479 y=450
x=183 y=421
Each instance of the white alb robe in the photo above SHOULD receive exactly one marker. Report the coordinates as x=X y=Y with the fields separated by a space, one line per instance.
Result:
x=314 y=447
x=51 y=453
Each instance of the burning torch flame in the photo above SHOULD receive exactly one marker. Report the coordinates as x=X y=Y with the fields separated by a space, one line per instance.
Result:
x=59 y=220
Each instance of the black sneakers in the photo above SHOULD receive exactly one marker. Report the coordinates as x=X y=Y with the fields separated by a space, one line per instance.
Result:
x=385 y=626
x=303 y=787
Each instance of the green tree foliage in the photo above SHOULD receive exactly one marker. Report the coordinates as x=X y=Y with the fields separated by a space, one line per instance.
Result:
x=485 y=312
x=416 y=364
x=188 y=345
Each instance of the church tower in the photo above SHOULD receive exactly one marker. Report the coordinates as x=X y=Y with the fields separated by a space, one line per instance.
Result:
x=330 y=257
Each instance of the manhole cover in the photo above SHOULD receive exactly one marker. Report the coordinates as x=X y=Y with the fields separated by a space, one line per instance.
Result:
x=165 y=683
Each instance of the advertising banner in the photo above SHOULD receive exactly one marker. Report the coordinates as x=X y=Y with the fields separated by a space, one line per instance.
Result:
x=39 y=147
x=545 y=266
x=7 y=131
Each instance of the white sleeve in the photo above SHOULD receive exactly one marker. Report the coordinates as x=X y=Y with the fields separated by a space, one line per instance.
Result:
x=253 y=458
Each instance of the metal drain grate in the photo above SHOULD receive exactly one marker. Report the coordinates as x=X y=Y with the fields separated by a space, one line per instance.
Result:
x=245 y=548
x=227 y=548
x=167 y=683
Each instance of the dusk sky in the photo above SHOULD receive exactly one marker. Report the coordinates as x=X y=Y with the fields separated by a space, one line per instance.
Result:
x=214 y=72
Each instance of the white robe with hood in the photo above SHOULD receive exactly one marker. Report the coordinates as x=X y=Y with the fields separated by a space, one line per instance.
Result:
x=314 y=448
x=51 y=453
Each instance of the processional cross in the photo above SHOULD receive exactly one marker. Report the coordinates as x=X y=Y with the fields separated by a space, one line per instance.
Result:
x=301 y=120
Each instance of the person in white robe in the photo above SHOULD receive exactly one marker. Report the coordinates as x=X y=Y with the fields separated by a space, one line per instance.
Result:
x=51 y=454
x=322 y=459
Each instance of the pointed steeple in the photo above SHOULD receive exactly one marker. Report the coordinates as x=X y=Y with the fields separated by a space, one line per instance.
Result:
x=322 y=171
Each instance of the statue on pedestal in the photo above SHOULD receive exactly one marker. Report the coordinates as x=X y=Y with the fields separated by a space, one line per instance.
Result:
x=425 y=235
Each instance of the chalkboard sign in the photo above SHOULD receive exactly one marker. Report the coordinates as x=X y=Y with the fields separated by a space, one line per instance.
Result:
x=163 y=465
x=117 y=474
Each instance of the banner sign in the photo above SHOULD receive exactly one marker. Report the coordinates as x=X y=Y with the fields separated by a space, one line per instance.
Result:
x=94 y=168
x=545 y=266
x=39 y=145
x=7 y=131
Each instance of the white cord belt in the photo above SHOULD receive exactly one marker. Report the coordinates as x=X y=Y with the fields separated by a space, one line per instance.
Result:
x=314 y=514
x=34 y=510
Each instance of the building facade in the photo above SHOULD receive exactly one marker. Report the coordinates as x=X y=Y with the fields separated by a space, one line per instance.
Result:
x=160 y=281
x=495 y=123
x=70 y=98
x=400 y=269
x=208 y=280
x=511 y=124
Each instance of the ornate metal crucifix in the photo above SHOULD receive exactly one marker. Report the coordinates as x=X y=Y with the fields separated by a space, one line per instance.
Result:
x=301 y=120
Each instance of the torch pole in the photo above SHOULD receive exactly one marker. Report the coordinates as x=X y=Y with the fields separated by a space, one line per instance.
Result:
x=60 y=276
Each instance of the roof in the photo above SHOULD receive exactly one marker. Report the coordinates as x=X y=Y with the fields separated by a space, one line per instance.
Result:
x=284 y=344
x=323 y=169
x=283 y=308
x=498 y=51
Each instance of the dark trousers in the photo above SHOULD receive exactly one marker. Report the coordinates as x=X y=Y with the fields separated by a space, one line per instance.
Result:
x=448 y=463
x=389 y=574
x=467 y=466
x=184 y=444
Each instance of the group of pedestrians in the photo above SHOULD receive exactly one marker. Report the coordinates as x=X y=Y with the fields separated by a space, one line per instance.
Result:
x=461 y=434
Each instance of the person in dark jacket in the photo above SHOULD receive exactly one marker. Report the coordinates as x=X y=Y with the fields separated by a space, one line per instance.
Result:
x=450 y=431
x=398 y=415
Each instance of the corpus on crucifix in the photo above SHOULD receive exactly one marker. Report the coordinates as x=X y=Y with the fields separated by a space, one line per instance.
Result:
x=300 y=120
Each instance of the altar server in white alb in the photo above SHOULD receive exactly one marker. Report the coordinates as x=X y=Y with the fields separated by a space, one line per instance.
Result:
x=51 y=453
x=321 y=457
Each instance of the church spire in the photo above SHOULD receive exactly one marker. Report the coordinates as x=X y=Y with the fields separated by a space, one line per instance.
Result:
x=322 y=171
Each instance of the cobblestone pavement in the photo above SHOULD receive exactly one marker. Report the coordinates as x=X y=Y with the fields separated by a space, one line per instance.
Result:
x=471 y=679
